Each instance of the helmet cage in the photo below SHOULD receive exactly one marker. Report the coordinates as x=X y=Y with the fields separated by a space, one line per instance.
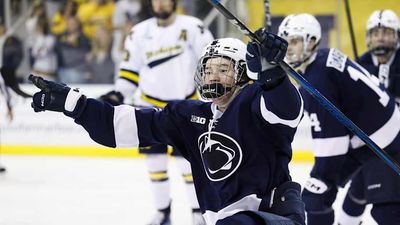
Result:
x=212 y=89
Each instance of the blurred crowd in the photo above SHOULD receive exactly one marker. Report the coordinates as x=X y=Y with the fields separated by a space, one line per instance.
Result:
x=81 y=41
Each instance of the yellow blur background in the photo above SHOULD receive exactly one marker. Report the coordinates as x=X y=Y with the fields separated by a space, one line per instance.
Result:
x=338 y=37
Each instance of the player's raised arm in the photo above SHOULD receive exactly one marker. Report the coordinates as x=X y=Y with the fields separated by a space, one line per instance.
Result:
x=281 y=103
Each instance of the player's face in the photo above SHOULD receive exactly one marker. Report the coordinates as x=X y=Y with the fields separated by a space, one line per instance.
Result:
x=162 y=8
x=381 y=37
x=295 y=50
x=220 y=71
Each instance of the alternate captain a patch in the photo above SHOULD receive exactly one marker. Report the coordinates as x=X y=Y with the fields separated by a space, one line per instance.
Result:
x=183 y=35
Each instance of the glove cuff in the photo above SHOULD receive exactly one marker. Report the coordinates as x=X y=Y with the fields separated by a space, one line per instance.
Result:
x=72 y=99
x=80 y=107
x=271 y=78
x=74 y=103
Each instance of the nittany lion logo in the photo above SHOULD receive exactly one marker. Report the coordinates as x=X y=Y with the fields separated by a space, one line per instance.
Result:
x=221 y=155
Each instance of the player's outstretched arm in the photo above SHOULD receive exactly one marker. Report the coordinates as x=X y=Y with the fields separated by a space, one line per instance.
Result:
x=95 y=116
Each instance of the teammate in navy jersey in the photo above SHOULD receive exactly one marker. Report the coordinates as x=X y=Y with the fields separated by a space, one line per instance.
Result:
x=239 y=144
x=383 y=61
x=338 y=152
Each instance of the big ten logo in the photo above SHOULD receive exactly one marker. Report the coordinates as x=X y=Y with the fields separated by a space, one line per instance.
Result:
x=197 y=119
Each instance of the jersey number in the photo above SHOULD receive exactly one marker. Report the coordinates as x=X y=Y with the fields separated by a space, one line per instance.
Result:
x=367 y=79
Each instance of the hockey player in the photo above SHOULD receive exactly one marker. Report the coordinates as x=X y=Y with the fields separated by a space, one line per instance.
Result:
x=238 y=145
x=159 y=65
x=339 y=153
x=383 y=61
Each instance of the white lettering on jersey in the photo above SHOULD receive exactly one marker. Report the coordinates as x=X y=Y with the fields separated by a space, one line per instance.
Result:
x=336 y=59
x=315 y=186
x=367 y=79
x=374 y=186
x=197 y=119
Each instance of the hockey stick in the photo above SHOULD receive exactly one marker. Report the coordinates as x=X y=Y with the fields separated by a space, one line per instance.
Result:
x=350 y=23
x=212 y=15
x=325 y=103
x=268 y=23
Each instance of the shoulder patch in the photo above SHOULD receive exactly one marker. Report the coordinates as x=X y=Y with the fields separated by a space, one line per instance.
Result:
x=336 y=59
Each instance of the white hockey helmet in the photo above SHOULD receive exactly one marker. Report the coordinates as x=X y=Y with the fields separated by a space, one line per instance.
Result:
x=227 y=48
x=301 y=25
x=383 y=18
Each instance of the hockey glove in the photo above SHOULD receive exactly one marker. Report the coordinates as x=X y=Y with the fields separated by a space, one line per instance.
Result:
x=263 y=58
x=57 y=97
x=113 y=97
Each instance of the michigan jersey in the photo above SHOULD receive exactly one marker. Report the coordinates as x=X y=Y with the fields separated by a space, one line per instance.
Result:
x=162 y=60
x=388 y=74
x=357 y=93
x=237 y=157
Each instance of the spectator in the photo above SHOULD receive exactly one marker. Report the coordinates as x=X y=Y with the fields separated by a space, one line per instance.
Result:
x=59 y=20
x=95 y=13
x=43 y=52
x=39 y=11
x=72 y=48
x=126 y=14
x=100 y=63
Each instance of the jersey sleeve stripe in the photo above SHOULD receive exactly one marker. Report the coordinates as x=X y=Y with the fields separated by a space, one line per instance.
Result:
x=125 y=127
x=272 y=118
x=334 y=146
x=384 y=135
x=129 y=75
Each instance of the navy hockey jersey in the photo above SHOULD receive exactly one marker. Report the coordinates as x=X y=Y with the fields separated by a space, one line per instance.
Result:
x=359 y=96
x=388 y=74
x=237 y=157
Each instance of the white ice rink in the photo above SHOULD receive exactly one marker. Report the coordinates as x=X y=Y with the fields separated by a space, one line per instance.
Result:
x=41 y=190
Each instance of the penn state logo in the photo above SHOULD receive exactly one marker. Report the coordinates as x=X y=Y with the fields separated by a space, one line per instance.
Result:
x=221 y=155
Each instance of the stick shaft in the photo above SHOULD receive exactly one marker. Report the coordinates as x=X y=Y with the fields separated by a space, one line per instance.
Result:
x=325 y=103
x=268 y=22
x=351 y=30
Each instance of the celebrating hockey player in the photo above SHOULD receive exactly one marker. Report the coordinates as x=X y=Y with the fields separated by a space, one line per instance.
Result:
x=383 y=61
x=238 y=144
x=338 y=153
x=159 y=65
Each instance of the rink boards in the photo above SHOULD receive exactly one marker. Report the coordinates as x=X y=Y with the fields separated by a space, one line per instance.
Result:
x=50 y=133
